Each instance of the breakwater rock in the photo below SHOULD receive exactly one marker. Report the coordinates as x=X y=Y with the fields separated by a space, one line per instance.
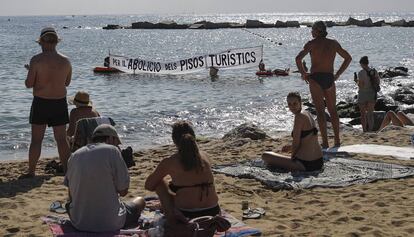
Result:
x=257 y=24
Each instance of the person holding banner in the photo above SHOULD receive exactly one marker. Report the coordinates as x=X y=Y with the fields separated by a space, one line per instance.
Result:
x=321 y=78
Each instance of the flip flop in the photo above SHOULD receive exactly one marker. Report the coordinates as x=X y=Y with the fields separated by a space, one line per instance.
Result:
x=56 y=206
x=259 y=210
x=250 y=214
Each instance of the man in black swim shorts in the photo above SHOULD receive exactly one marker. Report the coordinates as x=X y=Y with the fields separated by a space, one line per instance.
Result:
x=322 y=78
x=49 y=73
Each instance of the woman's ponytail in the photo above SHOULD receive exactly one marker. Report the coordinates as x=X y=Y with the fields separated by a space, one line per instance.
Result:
x=189 y=153
x=184 y=138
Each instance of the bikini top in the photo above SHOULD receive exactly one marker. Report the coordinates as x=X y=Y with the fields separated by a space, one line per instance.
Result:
x=305 y=133
x=204 y=187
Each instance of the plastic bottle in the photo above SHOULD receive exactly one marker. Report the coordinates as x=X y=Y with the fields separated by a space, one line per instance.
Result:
x=158 y=230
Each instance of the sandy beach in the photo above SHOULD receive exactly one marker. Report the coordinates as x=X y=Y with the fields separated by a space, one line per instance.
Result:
x=382 y=208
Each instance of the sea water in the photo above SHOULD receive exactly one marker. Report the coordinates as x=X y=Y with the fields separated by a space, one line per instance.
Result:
x=144 y=106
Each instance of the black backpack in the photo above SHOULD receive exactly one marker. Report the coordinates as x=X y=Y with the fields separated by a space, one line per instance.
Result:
x=375 y=81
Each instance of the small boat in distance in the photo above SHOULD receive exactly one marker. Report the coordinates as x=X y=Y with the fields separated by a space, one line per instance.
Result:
x=105 y=70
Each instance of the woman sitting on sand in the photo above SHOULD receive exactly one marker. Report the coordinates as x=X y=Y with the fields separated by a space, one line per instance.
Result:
x=306 y=150
x=397 y=119
x=83 y=109
x=184 y=181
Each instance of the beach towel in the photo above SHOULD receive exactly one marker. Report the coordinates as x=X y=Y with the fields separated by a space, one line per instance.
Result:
x=337 y=172
x=401 y=153
x=61 y=226
x=84 y=130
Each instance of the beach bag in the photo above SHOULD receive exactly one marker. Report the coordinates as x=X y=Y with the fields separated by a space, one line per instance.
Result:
x=204 y=226
x=375 y=81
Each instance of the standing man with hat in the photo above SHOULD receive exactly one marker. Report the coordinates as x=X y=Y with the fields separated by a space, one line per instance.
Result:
x=96 y=177
x=49 y=74
x=322 y=78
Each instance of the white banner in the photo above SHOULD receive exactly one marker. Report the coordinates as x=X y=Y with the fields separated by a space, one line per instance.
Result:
x=233 y=58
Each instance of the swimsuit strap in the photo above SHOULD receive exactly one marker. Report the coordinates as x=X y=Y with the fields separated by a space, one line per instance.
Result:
x=305 y=133
x=204 y=187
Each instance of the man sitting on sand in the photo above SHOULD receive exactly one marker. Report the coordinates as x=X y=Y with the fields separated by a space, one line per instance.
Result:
x=322 y=77
x=49 y=73
x=96 y=177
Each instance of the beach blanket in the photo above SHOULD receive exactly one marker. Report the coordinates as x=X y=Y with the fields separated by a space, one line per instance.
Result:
x=84 y=130
x=402 y=153
x=337 y=172
x=62 y=227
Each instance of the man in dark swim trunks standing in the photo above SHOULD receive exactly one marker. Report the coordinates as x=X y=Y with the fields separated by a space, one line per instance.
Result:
x=321 y=78
x=49 y=74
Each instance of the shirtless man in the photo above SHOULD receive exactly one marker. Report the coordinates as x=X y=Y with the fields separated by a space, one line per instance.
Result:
x=49 y=74
x=321 y=78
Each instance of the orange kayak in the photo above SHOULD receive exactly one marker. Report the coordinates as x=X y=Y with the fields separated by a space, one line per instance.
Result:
x=264 y=73
x=105 y=70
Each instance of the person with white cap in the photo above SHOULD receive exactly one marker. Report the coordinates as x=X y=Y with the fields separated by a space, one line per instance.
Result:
x=322 y=78
x=83 y=109
x=96 y=178
x=49 y=73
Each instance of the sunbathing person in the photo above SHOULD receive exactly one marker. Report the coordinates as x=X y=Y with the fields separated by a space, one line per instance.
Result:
x=83 y=109
x=306 y=151
x=281 y=72
x=184 y=182
x=398 y=119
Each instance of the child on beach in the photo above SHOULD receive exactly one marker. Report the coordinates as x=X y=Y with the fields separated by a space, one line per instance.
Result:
x=306 y=150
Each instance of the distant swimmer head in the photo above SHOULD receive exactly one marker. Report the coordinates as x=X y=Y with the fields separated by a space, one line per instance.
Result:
x=213 y=71
x=319 y=28
x=262 y=66
x=364 y=60
x=48 y=35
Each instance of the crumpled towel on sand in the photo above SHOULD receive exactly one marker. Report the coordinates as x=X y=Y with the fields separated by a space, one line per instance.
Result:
x=401 y=153
x=337 y=172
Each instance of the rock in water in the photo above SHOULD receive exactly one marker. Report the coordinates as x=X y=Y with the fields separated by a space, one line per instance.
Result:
x=246 y=130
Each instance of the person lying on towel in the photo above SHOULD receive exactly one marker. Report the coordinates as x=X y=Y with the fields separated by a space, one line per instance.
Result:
x=306 y=150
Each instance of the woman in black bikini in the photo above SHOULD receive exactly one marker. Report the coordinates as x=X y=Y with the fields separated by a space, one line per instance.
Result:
x=184 y=181
x=306 y=151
